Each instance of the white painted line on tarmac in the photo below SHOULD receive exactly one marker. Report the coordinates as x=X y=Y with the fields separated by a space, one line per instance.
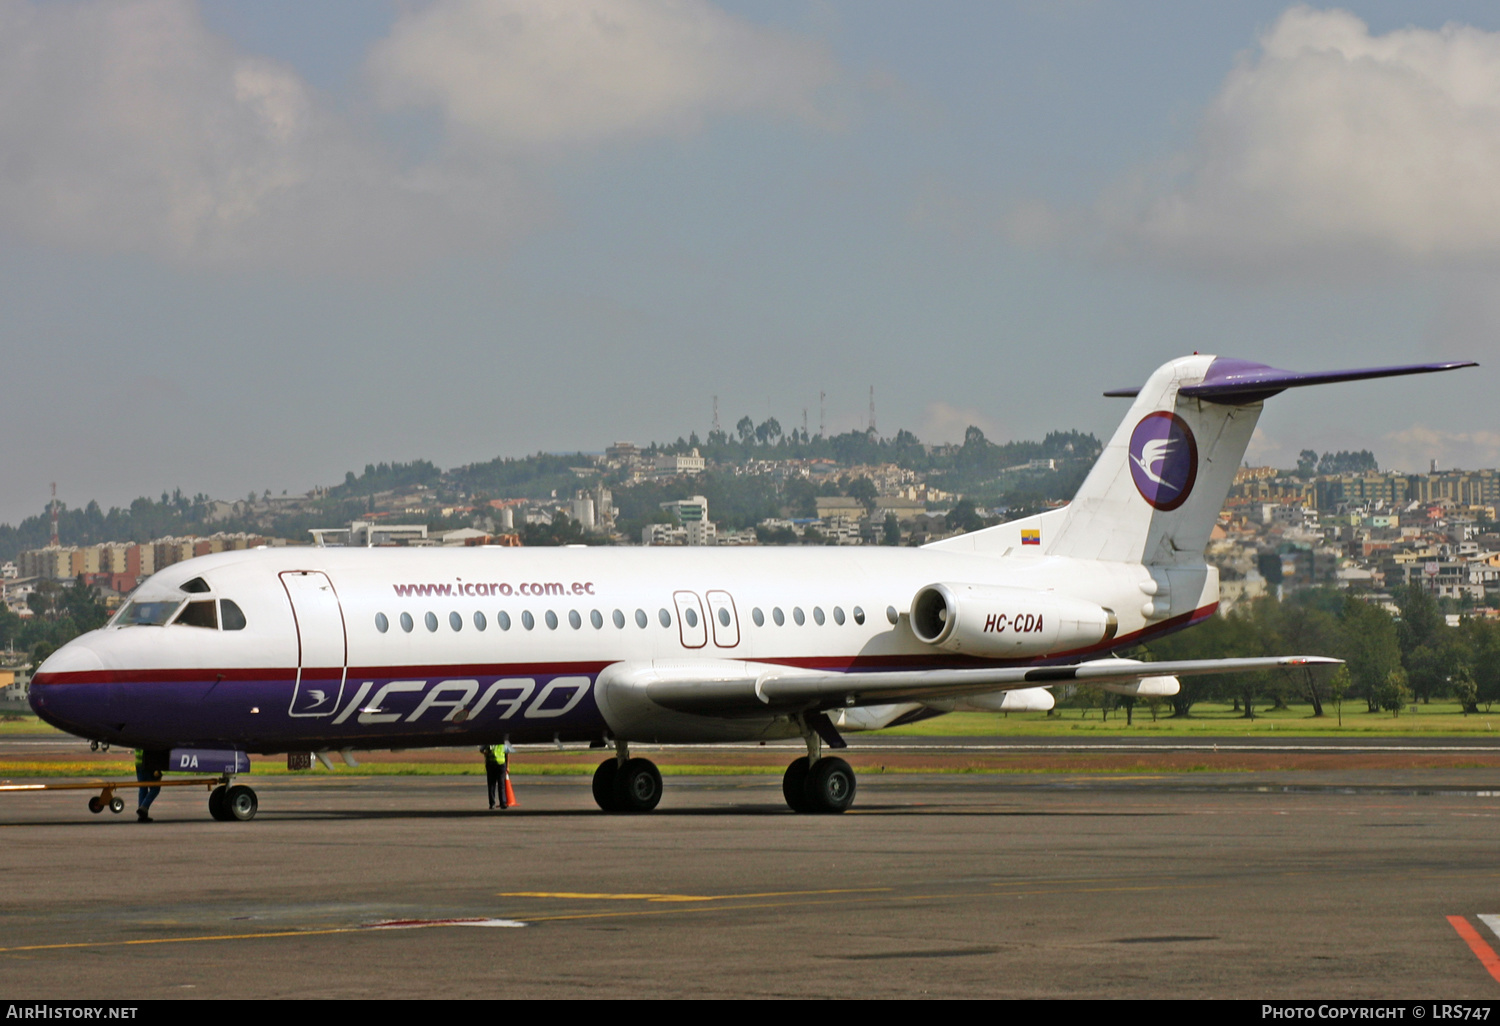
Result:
x=1492 y=921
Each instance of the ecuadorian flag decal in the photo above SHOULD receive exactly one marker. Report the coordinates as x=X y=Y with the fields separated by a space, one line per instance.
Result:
x=1031 y=536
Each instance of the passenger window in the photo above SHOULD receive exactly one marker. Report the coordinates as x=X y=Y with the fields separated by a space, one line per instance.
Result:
x=597 y=619
x=818 y=615
x=798 y=615
x=574 y=620
x=551 y=620
x=778 y=616
x=232 y=618
x=527 y=620
x=890 y=614
x=838 y=615
x=758 y=617
x=665 y=618
x=455 y=621
x=200 y=614
x=430 y=620
x=406 y=624
x=381 y=623
x=859 y=615
x=640 y=618
x=503 y=619
x=724 y=616
x=479 y=621
x=619 y=619
x=692 y=617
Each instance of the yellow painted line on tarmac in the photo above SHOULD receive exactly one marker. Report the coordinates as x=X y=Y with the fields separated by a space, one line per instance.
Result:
x=183 y=940
x=862 y=895
x=592 y=896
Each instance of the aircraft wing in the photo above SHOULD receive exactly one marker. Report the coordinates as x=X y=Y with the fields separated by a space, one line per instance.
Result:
x=781 y=690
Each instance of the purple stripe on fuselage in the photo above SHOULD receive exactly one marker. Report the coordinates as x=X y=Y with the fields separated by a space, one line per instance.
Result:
x=436 y=710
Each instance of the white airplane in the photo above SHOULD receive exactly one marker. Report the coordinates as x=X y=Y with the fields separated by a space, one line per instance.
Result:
x=298 y=650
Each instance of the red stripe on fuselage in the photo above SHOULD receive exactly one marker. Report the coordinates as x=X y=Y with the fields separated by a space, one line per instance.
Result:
x=844 y=663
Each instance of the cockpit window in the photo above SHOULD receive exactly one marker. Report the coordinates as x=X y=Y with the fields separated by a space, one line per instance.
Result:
x=147 y=612
x=199 y=614
x=231 y=618
x=196 y=586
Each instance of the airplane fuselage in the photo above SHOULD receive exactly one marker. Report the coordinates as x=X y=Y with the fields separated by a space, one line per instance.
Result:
x=358 y=648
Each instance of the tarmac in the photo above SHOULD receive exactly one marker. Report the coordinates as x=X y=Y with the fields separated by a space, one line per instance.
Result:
x=1262 y=884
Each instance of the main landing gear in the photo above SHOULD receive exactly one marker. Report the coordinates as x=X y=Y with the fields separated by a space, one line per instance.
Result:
x=230 y=802
x=623 y=784
x=815 y=783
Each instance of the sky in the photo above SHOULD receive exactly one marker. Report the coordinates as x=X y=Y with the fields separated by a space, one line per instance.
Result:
x=254 y=245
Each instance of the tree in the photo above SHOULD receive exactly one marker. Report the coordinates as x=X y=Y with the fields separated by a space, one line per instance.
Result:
x=1307 y=463
x=892 y=530
x=1393 y=694
x=1366 y=641
x=745 y=428
x=769 y=431
x=864 y=491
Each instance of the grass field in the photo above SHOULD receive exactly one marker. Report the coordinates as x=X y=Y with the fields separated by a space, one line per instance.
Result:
x=1209 y=718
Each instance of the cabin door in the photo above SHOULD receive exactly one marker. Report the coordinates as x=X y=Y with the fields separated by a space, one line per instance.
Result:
x=726 y=624
x=322 y=646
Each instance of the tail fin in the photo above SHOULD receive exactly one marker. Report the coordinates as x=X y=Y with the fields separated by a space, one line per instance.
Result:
x=1155 y=493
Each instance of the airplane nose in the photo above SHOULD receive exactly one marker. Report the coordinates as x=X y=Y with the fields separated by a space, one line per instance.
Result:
x=77 y=656
x=60 y=697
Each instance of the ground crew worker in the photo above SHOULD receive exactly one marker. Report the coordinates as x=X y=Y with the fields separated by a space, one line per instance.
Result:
x=145 y=769
x=494 y=771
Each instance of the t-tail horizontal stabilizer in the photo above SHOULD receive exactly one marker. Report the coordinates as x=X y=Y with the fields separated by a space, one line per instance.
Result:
x=1238 y=382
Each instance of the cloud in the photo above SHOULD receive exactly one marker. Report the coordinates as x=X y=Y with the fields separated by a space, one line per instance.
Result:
x=1330 y=142
x=544 y=75
x=1414 y=448
x=126 y=126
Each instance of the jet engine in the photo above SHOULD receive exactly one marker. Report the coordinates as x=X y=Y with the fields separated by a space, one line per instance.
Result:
x=997 y=622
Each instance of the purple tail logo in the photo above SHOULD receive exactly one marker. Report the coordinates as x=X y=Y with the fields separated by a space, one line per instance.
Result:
x=1163 y=459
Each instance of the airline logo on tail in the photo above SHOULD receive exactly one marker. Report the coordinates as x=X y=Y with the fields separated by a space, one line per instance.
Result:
x=1163 y=459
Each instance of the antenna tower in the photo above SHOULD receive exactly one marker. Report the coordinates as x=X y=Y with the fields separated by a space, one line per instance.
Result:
x=716 y=415
x=822 y=415
x=54 y=543
x=872 y=409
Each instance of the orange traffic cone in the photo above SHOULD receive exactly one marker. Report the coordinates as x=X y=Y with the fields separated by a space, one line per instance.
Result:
x=510 y=795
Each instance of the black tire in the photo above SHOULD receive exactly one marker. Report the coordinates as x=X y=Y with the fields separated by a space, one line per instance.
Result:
x=117 y=805
x=240 y=803
x=96 y=804
x=637 y=786
x=794 y=786
x=218 y=805
x=604 y=785
x=830 y=785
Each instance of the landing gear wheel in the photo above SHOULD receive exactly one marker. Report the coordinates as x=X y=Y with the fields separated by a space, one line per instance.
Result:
x=117 y=805
x=240 y=803
x=637 y=786
x=604 y=785
x=794 y=786
x=218 y=805
x=830 y=785
x=96 y=804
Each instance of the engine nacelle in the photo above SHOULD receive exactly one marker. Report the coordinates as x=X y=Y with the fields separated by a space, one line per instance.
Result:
x=995 y=622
